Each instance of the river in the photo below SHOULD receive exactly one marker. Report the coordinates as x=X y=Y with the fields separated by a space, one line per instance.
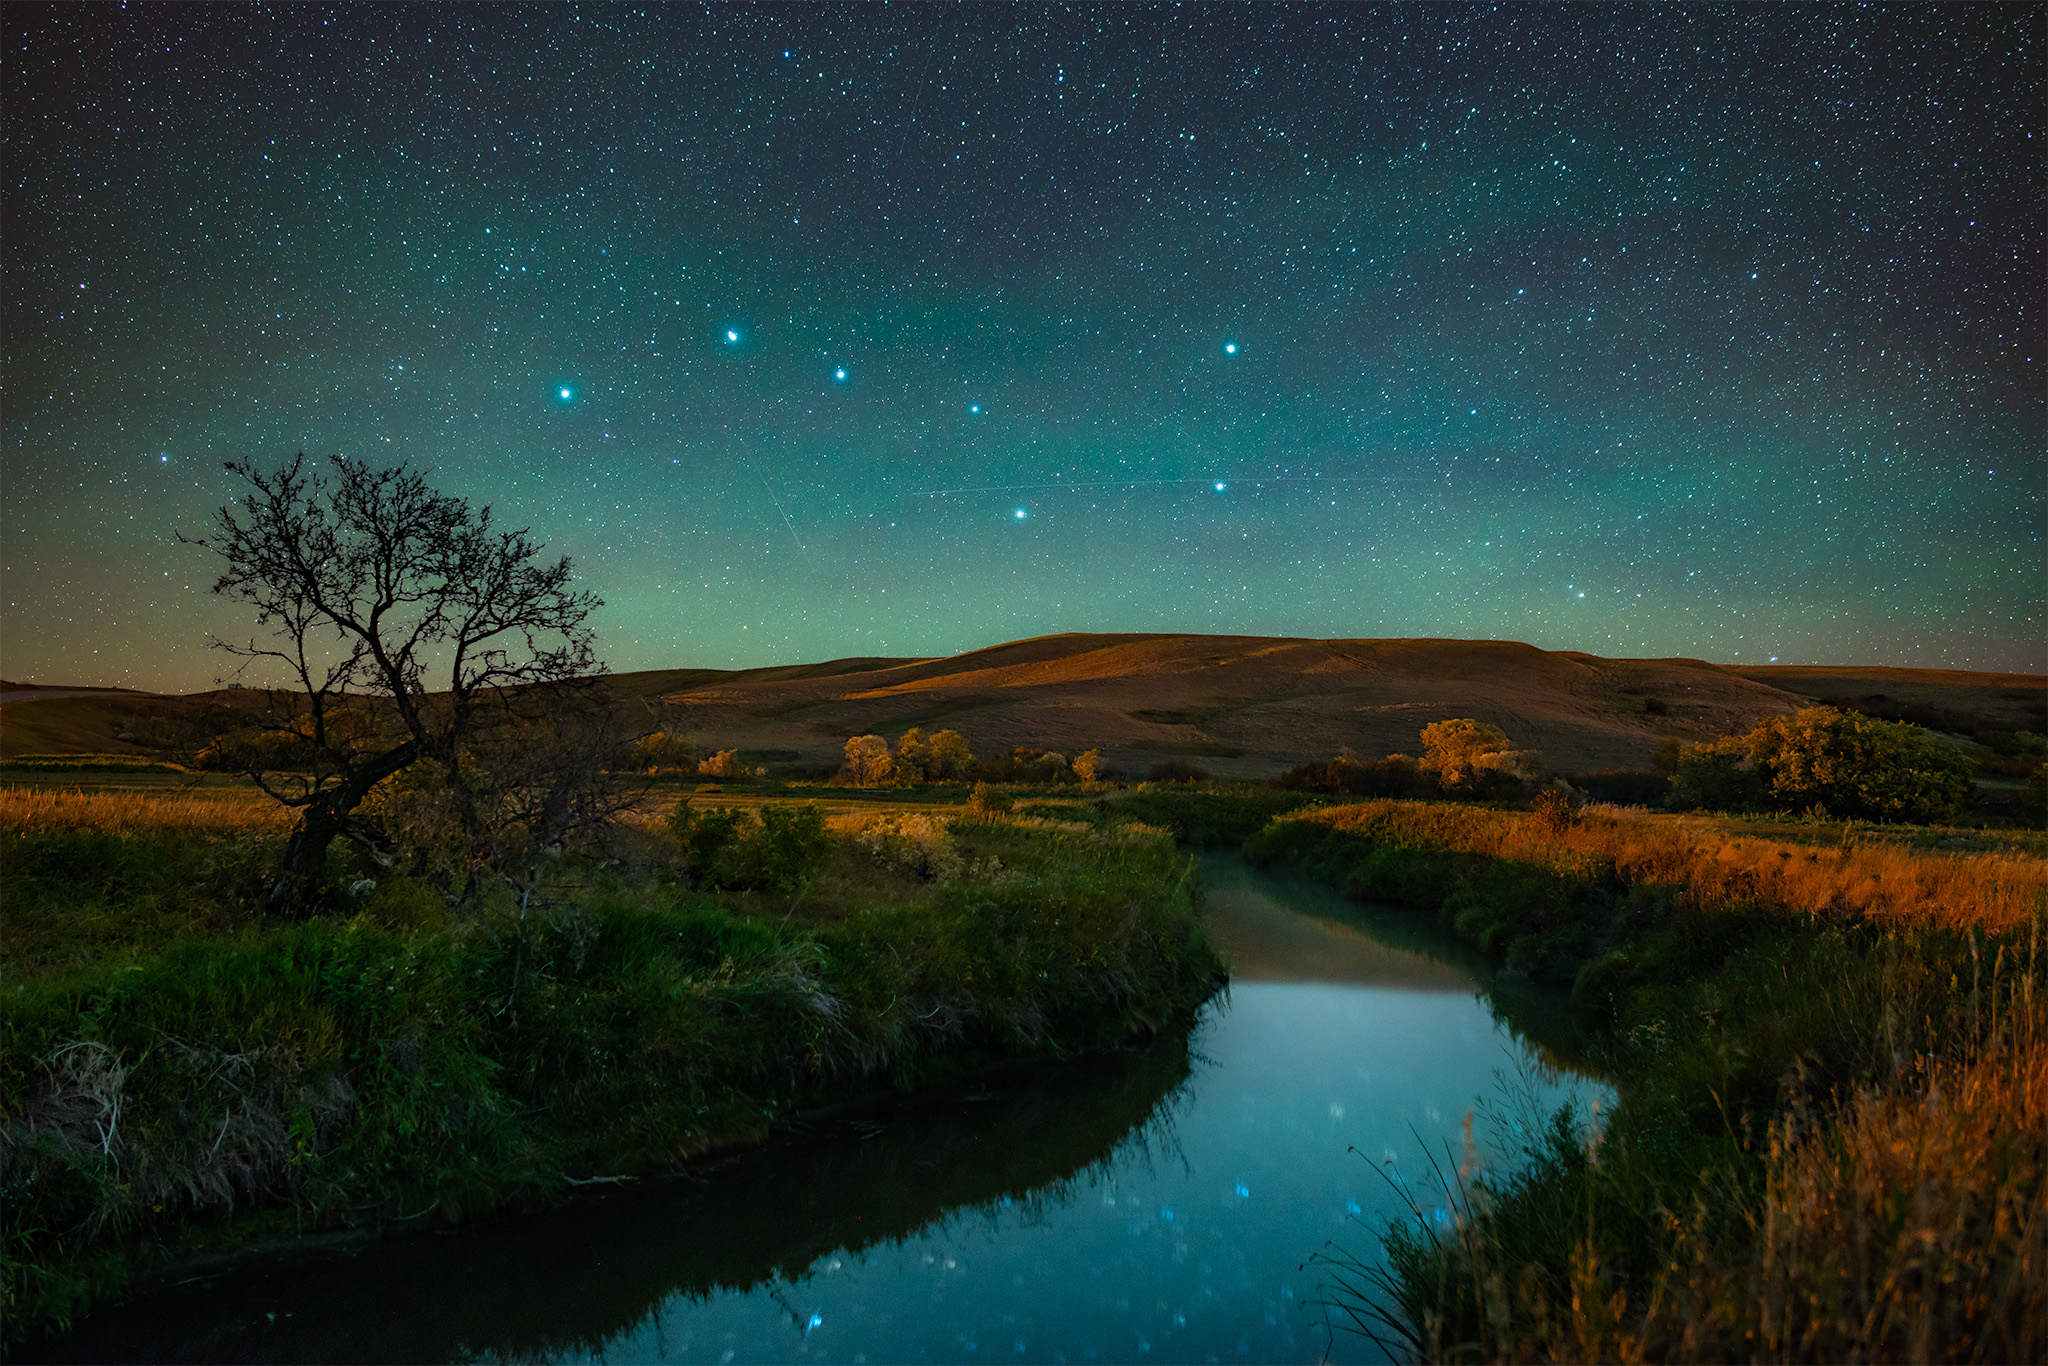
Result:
x=1168 y=1203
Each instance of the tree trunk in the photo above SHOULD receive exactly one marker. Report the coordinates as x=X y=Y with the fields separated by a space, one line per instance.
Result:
x=325 y=820
x=305 y=858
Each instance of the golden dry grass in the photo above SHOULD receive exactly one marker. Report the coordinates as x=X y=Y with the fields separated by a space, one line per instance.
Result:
x=1906 y=1225
x=1991 y=890
x=211 y=810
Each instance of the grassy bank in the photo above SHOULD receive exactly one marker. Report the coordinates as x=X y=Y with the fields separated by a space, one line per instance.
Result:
x=1832 y=1136
x=178 y=1075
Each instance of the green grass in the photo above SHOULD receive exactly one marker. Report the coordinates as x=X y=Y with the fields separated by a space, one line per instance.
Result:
x=1208 y=816
x=178 y=1075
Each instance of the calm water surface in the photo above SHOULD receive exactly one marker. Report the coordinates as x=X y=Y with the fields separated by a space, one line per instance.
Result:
x=1159 y=1205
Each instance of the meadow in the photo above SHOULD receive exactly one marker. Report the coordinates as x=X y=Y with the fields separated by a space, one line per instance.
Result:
x=181 y=1076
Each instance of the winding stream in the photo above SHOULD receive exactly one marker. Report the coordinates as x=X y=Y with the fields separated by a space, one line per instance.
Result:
x=1157 y=1205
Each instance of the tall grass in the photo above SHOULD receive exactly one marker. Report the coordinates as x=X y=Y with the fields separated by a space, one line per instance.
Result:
x=1903 y=1222
x=47 y=811
x=1711 y=868
x=92 y=877
x=1830 y=1142
x=408 y=1065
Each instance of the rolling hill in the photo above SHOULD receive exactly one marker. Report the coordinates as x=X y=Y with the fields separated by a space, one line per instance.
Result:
x=1239 y=706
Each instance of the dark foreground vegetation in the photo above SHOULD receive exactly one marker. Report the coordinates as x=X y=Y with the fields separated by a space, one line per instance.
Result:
x=1820 y=761
x=1826 y=1034
x=1831 y=1141
x=181 y=1072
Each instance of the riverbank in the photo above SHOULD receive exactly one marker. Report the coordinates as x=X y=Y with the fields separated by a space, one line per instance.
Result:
x=1832 y=1134
x=1155 y=1201
x=179 y=1077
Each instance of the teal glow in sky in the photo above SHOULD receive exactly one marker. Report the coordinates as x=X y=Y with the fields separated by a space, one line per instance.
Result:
x=817 y=331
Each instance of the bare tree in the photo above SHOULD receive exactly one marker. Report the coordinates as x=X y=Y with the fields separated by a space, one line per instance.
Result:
x=367 y=579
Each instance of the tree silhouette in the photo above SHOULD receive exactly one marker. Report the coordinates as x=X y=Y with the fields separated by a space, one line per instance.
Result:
x=367 y=580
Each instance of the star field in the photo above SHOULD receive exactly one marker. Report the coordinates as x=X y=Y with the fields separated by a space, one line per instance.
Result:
x=819 y=331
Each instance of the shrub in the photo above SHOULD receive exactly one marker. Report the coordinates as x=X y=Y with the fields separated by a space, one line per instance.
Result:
x=1717 y=776
x=909 y=842
x=1207 y=818
x=988 y=800
x=1462 y=753
x=781 y=850
x=1449 y=748
x=1845 y=763
x=1853 y=765
x=1553 y=813
x=785 y=850
x=1624 y=786
x=662 y=750
x=1025 y=764
x=1177 y=771
x=723 y=764
x=1397 y=775
x=703 y=836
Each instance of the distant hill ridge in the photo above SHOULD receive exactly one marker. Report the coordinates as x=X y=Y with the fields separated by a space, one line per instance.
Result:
x=1239 y=706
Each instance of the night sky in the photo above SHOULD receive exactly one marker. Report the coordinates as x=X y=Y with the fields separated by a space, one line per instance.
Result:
x=812 y=332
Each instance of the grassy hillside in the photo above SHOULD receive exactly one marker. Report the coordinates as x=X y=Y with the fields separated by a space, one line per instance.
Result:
x=1239 y=706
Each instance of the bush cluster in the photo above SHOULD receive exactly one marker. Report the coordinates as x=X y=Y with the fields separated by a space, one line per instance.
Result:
x=1843 y=764
x=728 y=849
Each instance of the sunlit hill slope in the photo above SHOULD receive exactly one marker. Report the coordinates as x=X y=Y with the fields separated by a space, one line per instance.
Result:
x=1242 y=706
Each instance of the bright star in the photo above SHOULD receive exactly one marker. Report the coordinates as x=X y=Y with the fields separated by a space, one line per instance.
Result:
x=1230 y=348
x=974 y=407
x=1019 y=514
x=840 y=373
x=565 y=393
x=731 y=335
x=1219 y=486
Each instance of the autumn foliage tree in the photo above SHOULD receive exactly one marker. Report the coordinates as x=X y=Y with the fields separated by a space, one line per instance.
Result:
x=374 y=587
x=943 y=757
x=1464 y=754
x=1845 y=763
x=868 y=761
